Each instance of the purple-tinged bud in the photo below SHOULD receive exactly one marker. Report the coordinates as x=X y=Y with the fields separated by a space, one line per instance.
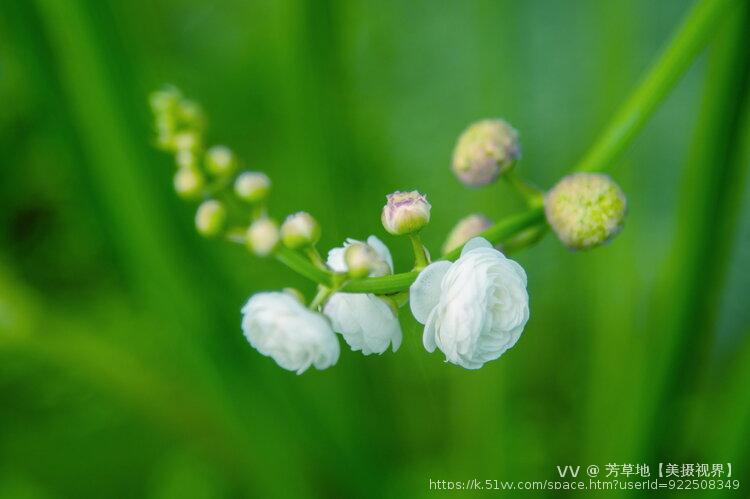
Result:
x=405 y=212
x=466 y=228
x=484 y=151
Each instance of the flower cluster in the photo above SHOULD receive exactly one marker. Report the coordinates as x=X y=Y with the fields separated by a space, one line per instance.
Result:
x=473 y=309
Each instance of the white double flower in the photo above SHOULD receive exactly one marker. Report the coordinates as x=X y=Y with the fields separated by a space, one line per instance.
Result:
x=366 y=322
x=473 y=309
x=280 y=327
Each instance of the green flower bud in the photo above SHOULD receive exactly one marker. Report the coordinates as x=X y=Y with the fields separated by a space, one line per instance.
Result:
x=188 y=140
x=484 y=151
x=263 y=236
x=220 y=161
x=252 y=186
x=300 y=230
x=188 y=183
x=210 y=218
x=190 y=114
x=405 y=212
x=185 y=158
x=360 y=259
x=466 y=228
x=165 y=101
x=585 y=210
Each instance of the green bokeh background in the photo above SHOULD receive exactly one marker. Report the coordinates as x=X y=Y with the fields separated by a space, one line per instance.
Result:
x=123 y=370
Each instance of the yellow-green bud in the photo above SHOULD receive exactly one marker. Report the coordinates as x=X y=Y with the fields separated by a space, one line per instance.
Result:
x=187 y=140
x=191 y=114
x=252 y=186
x=220 y=161
x=485 y=150
x=360 y=259
x=188 y=183
x=585 y=210
x=466 y=228
x=300 y=230
x=185 y=158
x=164 y=101
x=210 y=218
x=263 y=236
x=405 y=212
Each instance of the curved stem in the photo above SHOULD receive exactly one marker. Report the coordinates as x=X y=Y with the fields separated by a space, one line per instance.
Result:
x=531 y=194
x=420 y=257
x=689 y=39
x=302 y=266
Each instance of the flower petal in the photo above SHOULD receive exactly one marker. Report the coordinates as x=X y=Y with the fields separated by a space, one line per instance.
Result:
x=477 y=242
x=424 y=293
x=381 y=249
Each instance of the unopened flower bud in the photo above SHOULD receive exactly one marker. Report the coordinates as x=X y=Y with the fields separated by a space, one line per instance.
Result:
x=263 y=236
x=300 y=230
x=164 y=101
x=585 y=209
x=484 y=151
x=405 y=212
x=220 y=161
x=185 y=158
x=466 y=228
x=188 y=183
x=210 y=218
x=187 y=140
x=252 y=186
x=360 y=259
x=191 y=114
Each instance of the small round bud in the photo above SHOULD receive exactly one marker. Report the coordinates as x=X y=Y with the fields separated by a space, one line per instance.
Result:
x=188 y=183
x=405 y=212
x=585 y=210
x=191 y=114
x=466 y=228
x=210 y=218
x=164 y=101
x=263 y=236
x=187 y=140
x=252 y=186
x=360 y=259
x=300 y=230
x=220 y=161
x=484 y=151
x=185 y=158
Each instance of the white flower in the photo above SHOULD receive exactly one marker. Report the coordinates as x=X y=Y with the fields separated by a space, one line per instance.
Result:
x=366 y=322
x=473 y=309
x=280 y=327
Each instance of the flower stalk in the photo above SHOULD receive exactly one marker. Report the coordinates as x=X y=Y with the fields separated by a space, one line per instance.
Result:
x=420 y=255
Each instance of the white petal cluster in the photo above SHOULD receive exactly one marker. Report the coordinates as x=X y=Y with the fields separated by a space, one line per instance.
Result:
x=473 y=309
x=280 y=327
x=366 y=322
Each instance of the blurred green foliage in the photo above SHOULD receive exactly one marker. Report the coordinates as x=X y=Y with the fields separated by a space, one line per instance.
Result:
x=123 y=372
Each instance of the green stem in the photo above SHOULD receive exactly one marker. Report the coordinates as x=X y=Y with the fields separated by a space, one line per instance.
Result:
x=532 y=195
x=690 y=38
x=302 y=266
x=321 y=297
x=315 y=258
x=420 y=257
